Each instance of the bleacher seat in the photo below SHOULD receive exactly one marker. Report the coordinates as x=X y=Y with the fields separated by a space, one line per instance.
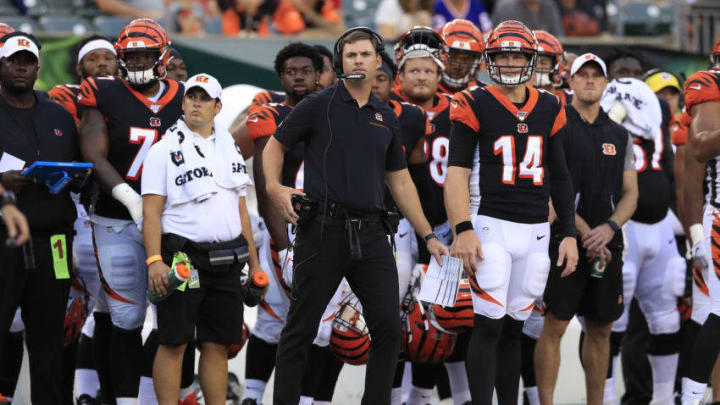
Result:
x=86 y=8
x=76 y=25
x=213 y=26
x=20 y=23
x=7 y=7
x=643 y=18
x=110 y=26
x=360 y=12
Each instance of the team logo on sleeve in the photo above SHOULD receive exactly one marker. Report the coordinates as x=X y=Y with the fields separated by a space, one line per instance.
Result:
x=177 y=158
x=609 y=149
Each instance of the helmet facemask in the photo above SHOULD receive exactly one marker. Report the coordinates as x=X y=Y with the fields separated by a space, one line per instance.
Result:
x=142 y=77
x=462 y=61
x=498 y=72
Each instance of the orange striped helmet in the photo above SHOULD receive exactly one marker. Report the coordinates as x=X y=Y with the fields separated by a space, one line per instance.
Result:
x=418 y=42
x=548 y=45
x=462 y=53
x=140 y=35
x=350 y=339
x=511 y=36
x=4 y=30
x=459 y=317
x=424 y=340
x=715 y=55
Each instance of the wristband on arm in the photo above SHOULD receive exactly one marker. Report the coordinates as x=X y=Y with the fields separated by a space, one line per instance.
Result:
x=463 y=226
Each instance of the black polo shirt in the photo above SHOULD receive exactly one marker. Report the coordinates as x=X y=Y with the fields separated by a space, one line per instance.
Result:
x=47 y=132
x=348 y=146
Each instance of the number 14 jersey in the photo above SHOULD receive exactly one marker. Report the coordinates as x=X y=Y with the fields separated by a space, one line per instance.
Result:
x=134 y=124
x=514 y=141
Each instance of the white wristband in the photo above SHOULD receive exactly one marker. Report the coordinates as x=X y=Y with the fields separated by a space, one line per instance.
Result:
x=130 y=199
x=697 y=233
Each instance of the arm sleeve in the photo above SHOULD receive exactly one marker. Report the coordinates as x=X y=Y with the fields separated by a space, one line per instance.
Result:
x=561 y=187
x=154 y=174
x=629 y=155
x=395 y=157
x=463 y=142
x=298 y=124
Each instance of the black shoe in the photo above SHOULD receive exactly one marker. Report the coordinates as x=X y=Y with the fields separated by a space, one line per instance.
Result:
x=249 y=401
x=86 y=399
x=234 y=391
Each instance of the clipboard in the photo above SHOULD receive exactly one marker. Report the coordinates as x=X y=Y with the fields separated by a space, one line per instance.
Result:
x=57 y=175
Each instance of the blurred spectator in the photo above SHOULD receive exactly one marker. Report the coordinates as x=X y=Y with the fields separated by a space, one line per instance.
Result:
x=287 y=17
x=583 y=17
x=394 y=17
x=471 y=10
x=185 y=16
x=176 y=68
x=154 y=9
x=536 y=14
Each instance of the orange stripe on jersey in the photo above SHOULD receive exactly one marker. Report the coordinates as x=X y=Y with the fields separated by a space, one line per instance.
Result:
x=561 y=96
x=700 y=281
x=87 y=93
x=397 y=107
x=526 y=109
x=442 y=105
x=702 y=87
x=679 y=129
x=428 y=126
x=164 y=100
x=461 y=110
x=529 y=307
x=261 y=123
x=560 y=121
x=66 y=98
x=266 y=307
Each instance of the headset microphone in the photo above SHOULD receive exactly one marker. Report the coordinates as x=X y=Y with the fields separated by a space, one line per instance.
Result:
x=353 y=76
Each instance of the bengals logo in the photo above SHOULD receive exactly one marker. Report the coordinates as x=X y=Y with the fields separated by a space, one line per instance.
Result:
x=522 y=128
x=202 y=79
x=609 y=149
x=177 y=158
x=155 y=122
x=378 y=117
x=24 y=43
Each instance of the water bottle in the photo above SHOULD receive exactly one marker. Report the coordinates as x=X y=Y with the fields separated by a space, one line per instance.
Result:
x=179 y=273
x=255 y=287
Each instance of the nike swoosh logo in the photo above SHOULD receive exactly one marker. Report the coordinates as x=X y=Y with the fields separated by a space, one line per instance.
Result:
x=402 y=235
x=540 y=237
x=253 y=119
x=695 y=87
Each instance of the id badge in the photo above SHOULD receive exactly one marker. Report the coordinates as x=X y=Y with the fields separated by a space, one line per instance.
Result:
x=194 y=280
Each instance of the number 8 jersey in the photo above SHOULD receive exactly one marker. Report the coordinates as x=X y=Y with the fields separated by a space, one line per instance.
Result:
x=514 y=141
x=134 y=124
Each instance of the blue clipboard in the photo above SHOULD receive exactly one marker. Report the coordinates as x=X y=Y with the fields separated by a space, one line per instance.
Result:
x=57 y=175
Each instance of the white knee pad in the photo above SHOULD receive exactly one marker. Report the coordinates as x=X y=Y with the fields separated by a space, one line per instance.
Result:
x=536 y=275
x=675 y=276
x=629 y=277
x=492 y=278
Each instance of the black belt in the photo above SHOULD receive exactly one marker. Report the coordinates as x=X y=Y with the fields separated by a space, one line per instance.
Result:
x=209 y=254
x=353 y=221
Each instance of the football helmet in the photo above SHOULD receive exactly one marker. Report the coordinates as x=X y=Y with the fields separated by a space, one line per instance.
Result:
x=4 y=30
x=235 y=348
x=143 y=34
x=511 y=36
x=715 y=55
x=457 y=318
x=424 y=340
x=548 y=45
x=419 y=42
x=462 y=53
x=350 y=339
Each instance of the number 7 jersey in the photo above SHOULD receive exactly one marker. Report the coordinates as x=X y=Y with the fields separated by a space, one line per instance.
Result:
x=513 y=141
x=134 y=124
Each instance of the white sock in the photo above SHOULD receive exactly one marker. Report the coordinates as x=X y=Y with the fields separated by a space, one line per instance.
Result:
x=185 y=392
x=663 y=375
x=692 y=391
x=254 y=389
x=396 y=396
x=146 y=394
x=533 y=395
x=86 y=382
x=126 y=401
x=419 y=396
x=457 y=373
x=406 y=382
x=609 y=392
x=305 y=400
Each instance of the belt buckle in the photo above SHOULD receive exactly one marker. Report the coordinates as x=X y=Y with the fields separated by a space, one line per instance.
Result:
x=357 y=222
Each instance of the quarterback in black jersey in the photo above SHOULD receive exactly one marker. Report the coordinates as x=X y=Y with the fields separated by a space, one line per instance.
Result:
x=519 y=131
x=122 y=118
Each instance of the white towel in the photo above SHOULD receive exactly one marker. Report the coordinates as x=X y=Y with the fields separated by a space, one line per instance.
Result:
x=192 y=177
x=644 y=116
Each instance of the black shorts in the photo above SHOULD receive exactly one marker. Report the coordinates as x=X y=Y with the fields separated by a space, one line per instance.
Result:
x=211 y=313
x=597 y=299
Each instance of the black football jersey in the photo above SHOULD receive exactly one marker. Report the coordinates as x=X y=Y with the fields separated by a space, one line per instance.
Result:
x=414 y=124
x=263 y=123
x=513 y=146
x=654 y=187
x=134 y=124
x=67 y=96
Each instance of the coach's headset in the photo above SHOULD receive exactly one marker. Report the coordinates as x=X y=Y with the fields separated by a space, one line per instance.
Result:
x=337 y=52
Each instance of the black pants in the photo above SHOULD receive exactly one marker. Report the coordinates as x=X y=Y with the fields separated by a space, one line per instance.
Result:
x=43 y=300
x=319 y=265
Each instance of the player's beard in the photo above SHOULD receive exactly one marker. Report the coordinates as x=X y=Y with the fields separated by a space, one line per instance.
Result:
x=419 y=98
x=298 y=95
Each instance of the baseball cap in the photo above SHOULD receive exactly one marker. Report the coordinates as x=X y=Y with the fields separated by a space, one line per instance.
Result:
x=581 y=60
x=660 y=80
x=19 y=43
x=206 y=82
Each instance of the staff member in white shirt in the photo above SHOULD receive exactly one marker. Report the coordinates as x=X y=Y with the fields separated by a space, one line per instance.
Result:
x=194 y=185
